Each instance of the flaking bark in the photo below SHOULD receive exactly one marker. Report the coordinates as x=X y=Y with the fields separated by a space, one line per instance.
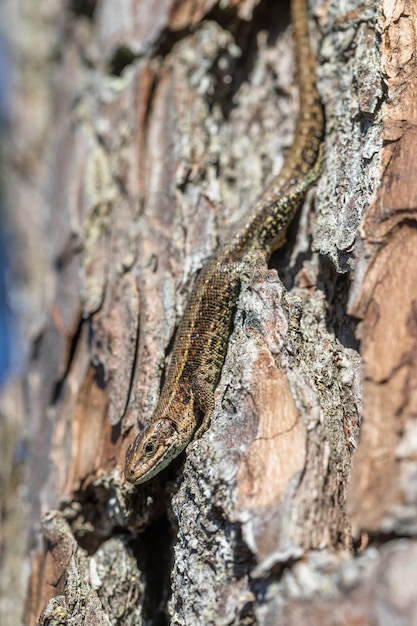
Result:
x=163 y=127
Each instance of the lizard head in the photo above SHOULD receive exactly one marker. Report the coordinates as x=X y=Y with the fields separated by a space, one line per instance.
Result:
x=153 y=449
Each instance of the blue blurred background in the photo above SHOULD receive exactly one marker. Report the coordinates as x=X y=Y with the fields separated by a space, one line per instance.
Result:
x=8 y=337
x=5 y=313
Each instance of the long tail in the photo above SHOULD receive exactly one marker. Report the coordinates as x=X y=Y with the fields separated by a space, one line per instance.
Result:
x=265 y=229
x=310 y=122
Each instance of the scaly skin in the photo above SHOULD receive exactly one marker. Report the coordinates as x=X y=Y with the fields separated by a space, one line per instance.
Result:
x=187 y=399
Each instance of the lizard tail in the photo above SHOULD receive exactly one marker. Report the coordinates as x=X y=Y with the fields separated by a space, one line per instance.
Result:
x=265 y=230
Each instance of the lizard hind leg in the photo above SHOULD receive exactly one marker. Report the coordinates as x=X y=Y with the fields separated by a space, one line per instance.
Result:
x=204 y=403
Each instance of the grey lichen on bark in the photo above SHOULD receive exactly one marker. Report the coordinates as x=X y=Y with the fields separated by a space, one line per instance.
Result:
x=101 y=589
x=352 y=87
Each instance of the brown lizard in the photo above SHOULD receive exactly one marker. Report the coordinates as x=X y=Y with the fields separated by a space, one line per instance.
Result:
x=187 y=399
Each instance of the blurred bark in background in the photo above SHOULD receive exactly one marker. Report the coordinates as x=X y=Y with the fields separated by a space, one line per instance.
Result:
x=142 y=132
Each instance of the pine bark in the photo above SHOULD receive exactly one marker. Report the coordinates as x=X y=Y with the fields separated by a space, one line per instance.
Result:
x=164 y=122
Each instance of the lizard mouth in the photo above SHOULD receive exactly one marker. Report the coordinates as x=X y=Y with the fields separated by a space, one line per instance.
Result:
x=144 y=469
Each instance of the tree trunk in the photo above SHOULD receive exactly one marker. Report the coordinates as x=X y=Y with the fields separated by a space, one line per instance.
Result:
x=165 y=120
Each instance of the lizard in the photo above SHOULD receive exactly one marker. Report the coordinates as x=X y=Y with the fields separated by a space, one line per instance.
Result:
x=184 y=408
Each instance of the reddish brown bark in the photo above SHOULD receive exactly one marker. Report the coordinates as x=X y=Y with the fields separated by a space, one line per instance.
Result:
x=382 y=496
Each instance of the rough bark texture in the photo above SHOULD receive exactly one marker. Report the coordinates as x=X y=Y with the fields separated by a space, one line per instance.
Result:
x=161 y=124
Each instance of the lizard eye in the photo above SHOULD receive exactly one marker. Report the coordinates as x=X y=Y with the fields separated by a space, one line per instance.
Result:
x=149 y=447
